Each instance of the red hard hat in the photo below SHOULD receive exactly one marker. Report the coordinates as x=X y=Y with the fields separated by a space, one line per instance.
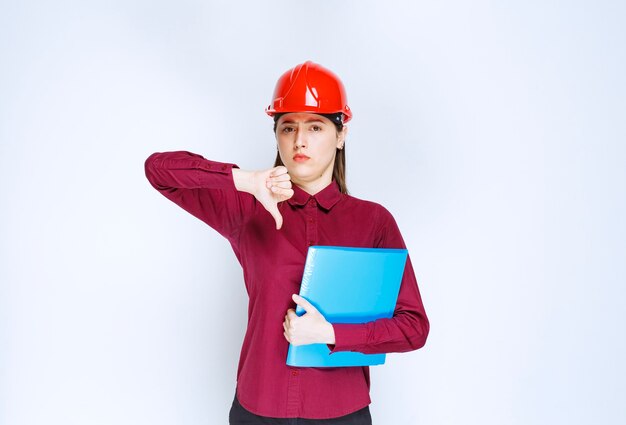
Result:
x=309 y=87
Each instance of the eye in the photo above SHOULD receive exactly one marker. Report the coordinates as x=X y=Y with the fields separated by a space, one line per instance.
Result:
x=287 y=129
x=316 y=128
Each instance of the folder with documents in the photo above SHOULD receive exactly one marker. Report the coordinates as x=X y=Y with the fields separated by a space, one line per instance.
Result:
x=348 y=285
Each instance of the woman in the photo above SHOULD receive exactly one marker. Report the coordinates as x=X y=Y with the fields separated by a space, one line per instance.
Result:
x=271 y=217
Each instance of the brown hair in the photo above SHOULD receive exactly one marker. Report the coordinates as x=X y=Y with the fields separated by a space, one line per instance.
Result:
x=339 y=168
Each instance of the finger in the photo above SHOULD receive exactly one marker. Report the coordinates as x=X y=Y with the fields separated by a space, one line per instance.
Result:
x=287 y=191
x=307 y=306
x=292 y=316
x=272 y=180
x=278 y=171
x=273 y=210
x=286 y=337
x=282 y=185
x=281 y=178
x=283 y=194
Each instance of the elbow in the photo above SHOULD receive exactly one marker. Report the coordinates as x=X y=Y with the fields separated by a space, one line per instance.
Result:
x=150 y=169
x=418 y=342
x=149 y=164
x=420 y=333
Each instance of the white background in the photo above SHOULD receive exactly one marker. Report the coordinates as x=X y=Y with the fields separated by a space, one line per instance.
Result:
x=493 y=131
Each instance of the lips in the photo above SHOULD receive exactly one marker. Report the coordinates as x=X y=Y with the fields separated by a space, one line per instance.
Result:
x=300 y=158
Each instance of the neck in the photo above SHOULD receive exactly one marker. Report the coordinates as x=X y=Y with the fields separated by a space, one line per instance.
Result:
x=314 y=186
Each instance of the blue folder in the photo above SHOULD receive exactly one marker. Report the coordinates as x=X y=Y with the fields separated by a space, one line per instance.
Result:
x=348 y=285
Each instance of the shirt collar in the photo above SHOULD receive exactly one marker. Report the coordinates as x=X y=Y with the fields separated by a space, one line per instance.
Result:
x=326 y=197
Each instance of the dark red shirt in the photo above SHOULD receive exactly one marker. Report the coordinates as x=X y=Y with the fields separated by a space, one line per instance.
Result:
x=273 y=264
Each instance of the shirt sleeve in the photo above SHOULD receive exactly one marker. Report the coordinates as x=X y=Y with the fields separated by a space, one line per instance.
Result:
x=203 y=188
x=407 y=330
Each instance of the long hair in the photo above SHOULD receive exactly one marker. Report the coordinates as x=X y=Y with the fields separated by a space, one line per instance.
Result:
x=339 y=168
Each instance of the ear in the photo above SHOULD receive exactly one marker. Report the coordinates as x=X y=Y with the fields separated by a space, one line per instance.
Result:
x=341 y=137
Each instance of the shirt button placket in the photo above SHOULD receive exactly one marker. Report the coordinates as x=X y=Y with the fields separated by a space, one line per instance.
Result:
x=311 y=222
x=293 y=393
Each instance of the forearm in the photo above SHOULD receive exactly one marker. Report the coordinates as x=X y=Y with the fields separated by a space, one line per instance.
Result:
x=399 y=334
x=204 y=188
x=407 y=330
x=187 y=170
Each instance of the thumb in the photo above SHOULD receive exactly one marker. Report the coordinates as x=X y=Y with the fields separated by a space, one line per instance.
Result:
x=302 y=302
x=273 y=210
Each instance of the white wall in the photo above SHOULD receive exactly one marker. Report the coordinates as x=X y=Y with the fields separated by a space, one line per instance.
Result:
x=493 y=131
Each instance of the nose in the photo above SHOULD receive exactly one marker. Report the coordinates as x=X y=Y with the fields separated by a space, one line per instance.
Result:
x=300 y=140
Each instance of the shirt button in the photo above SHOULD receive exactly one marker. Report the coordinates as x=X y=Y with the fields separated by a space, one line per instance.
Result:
x=311 y=243
x=294 y=373
x=311 y=220
x=223 y=167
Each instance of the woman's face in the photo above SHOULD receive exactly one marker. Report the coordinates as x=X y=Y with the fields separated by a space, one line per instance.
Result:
x=307 y=145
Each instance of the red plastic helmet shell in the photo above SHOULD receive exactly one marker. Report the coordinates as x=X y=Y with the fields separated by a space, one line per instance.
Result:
x=309 y=87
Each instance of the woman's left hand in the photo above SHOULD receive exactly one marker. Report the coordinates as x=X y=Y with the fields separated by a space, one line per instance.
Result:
x=310 y=328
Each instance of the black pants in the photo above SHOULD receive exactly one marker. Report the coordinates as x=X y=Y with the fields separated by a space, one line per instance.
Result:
x=240 y=416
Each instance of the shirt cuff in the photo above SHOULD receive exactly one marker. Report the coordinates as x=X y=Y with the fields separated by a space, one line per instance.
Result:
x=348 y=337
x=219 y=176
x=216 y=167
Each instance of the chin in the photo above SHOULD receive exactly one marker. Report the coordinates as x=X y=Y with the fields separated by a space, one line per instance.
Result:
x=300 y=175
x=297 y=168
x=295 y=175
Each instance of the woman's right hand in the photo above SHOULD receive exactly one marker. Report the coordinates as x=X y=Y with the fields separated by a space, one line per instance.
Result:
x=269 y=187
